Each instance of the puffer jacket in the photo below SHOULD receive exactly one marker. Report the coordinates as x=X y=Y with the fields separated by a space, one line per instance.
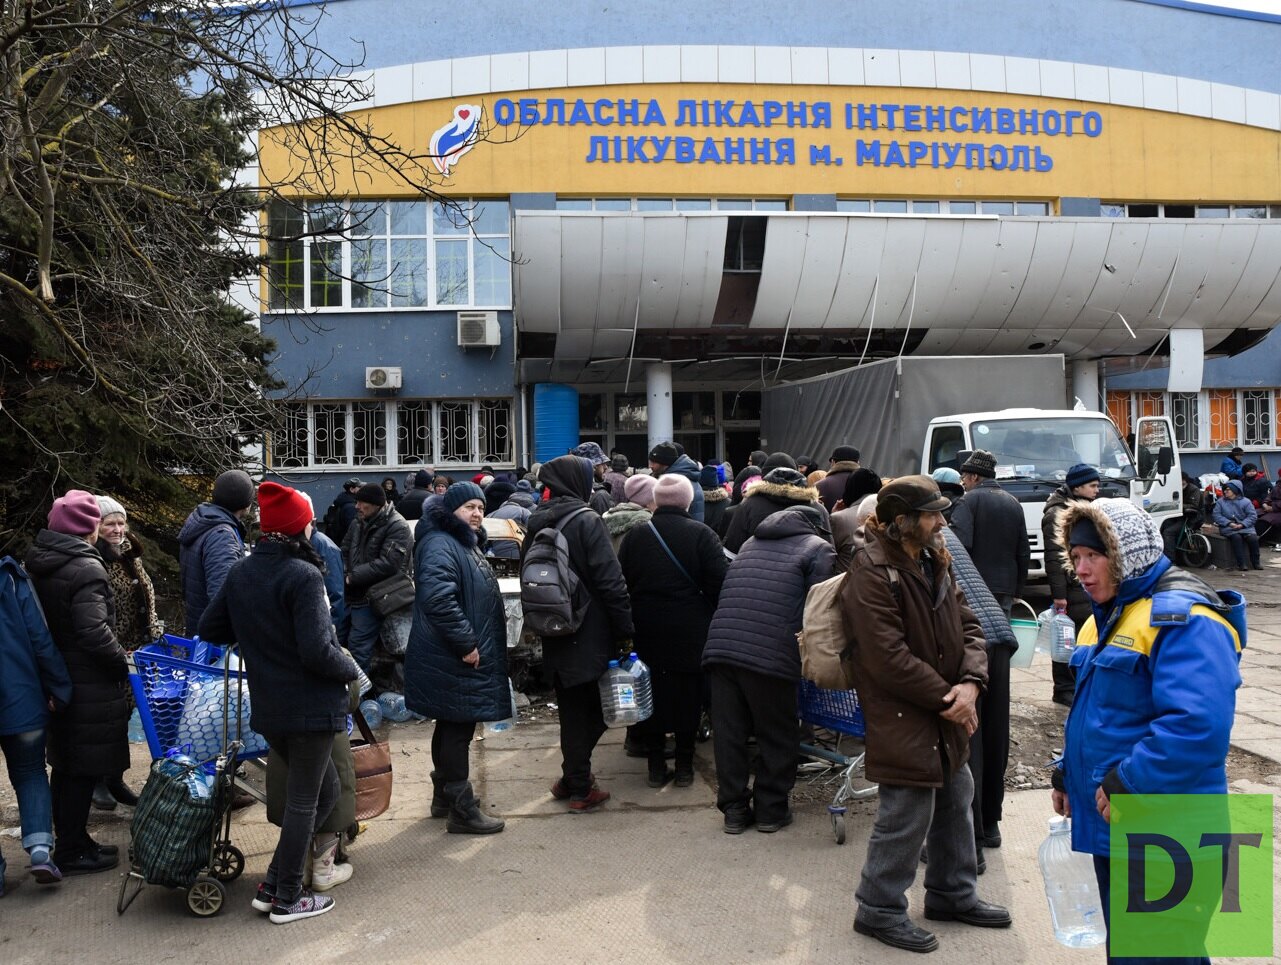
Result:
x=273 y=604
x=211 y=541
x=410 y=505
x=1058 y=568
x=374 y=549
x=88 y=738
x=763 y=500
x=622 y=519
x=1227 y=511
x=458 y=608
x=517 y=506
x=762 y=600
x=32 y=670
x=585 y=655
x=995 y=625
x=687 y=467
x=132 y=592
x=912 y=643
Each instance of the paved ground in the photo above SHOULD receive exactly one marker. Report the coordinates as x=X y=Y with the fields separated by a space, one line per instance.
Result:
x=650 y=878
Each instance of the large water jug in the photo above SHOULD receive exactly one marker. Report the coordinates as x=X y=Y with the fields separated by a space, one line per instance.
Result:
x=372 y=711
x=393 y=707
x=618 y=697
x=644 y=678
x=1056 y=635
x=1071 y=889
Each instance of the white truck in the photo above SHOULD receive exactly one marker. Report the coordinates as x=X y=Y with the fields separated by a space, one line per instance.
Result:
x=1034 y=449
x=891 y=410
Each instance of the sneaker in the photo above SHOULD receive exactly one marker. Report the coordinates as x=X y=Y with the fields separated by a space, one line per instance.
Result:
x=593 y=799
x=88 y=863
x=560 y=792
x=264 y=899
x=308 y=905
x=43 y=869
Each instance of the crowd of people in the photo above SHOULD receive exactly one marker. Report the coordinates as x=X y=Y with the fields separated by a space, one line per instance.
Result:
x=704 y=573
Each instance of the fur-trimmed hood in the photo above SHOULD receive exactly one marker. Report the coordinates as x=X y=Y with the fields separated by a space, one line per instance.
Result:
x=784 y=495
x=716 y=494
x=844 y=466
x=1131 y=536
x=624 y=516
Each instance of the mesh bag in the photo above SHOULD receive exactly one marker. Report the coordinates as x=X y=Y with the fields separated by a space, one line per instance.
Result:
x=180 y=690
x=172 y=828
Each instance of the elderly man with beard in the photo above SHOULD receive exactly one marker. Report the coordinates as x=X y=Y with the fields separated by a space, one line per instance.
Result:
x=920 y=664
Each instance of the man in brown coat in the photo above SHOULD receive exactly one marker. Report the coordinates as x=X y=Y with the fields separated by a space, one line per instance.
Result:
x=920 y=664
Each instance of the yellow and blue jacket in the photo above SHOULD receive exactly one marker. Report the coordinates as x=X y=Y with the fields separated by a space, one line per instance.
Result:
x=1155 y=695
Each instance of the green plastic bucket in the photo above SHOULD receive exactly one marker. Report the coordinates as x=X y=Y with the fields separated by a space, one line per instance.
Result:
x=1025 y=631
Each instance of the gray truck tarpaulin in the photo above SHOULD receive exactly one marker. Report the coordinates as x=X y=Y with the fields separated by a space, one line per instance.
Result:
x=883 y=407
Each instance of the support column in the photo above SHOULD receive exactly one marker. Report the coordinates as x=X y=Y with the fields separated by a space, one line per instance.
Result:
x=1085 y=385
x=658 y=398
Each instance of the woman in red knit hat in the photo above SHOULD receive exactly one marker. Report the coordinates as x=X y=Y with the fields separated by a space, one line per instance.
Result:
x=273 y=605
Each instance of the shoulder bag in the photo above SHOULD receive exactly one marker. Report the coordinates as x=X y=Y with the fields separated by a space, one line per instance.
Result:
x=373 y=771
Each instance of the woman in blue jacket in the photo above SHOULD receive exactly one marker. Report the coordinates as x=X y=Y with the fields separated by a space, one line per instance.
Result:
x=33 y=682
x=1156 y=677
x=456 y=662
x=1235 y=516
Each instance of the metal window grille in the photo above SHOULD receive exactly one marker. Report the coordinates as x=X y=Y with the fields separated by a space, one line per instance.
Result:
x=1223 y=418
x=413 y=431
x=493 y=433
x=454 y=433
x=369 y=433
x=329 y=434
x=1185 y=407
x=1256 y=408
x=289 y=445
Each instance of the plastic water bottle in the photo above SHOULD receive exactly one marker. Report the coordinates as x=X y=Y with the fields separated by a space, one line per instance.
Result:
x=501 y=726
x=363 y=681
x=393 y=707
x=644 y=685
x=1056 y=635
x=136 y=733
x=618 y=697
x=372 y=711
x=1071 y=889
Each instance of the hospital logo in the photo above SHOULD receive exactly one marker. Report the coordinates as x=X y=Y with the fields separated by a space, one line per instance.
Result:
x=456 y=138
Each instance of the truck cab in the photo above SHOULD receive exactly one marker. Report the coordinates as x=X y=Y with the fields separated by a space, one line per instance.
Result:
x=1034 y=449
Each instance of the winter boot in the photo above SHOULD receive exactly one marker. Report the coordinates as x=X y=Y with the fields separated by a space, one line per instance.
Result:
x=684 y=768
x=326 y=872
x=465 y=816
x=439 y=803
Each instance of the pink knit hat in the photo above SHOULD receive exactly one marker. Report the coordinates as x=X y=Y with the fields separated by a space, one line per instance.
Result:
x=673 y=490
x=639 y=489
x=75 y=514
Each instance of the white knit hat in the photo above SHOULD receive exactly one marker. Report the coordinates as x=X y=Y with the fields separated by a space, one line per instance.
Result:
x=110 y=507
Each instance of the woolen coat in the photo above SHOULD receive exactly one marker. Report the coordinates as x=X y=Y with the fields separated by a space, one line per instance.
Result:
x=762 y=602
x=273 y=604
x=911 y=645
x=458 y=608
x=32 y=671
x=90 y=737
x=672 y=612
x=832 y=486
x=583 y=656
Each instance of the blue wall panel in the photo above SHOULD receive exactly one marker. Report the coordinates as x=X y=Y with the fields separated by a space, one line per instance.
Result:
x=423 y=344
x=1116 y=33
x=1258 y=367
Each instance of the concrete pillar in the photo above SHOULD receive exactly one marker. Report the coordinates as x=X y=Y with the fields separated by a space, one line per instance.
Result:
x=1085 y=385
x=658 y=398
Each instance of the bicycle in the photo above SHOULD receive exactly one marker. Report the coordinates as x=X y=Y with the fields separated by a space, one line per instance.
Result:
x=1191 y=546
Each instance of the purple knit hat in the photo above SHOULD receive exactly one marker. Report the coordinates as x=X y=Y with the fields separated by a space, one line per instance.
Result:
x=75 y=514
x=673 y=490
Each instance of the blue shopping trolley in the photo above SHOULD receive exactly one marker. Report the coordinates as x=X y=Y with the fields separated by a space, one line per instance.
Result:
x=838 y=711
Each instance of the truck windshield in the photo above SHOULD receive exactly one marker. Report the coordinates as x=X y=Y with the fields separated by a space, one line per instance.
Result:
x=1048 y=448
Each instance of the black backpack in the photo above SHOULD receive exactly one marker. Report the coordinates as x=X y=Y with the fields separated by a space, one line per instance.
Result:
x=551 y=595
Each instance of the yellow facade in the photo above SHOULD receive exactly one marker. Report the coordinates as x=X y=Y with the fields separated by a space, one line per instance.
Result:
x=1140 y=155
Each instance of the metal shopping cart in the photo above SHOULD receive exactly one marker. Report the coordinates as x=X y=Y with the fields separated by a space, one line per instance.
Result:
x=839 y=712
x=194 y=709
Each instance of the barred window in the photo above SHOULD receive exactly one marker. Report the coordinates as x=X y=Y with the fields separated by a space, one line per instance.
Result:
x=1256 y=411
x=1186 y=411
x=379 y=254
x=403 y=432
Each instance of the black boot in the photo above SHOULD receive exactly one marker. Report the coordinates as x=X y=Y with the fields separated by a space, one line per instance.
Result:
x=102 y=799
x=465 y=816
x=439 y=803
x=120 y=791
x=684 y=769
x=659 y=772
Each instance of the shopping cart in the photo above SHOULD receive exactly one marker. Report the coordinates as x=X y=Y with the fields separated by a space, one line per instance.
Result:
x=840 y=713
x=194 y=710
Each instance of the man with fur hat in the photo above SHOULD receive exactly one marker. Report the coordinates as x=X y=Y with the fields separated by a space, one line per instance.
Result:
x=843 y=462
x=780 y=487
x=920 y=665
x=378 y=544
x=601 y=499
x=992 y=529
x=211 y=540
x=669 y=457
x=1156 y=679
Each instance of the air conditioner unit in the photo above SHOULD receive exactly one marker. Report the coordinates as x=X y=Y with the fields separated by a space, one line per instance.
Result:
x=382 y=377
x=478 y=330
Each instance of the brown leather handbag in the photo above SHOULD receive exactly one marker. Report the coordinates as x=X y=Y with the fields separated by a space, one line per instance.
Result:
x=373 y=772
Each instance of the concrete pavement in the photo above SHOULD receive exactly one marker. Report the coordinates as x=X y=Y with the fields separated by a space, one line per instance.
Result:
x=650 y=878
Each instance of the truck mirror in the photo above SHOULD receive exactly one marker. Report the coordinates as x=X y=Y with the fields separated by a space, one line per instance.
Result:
x=1164 y=460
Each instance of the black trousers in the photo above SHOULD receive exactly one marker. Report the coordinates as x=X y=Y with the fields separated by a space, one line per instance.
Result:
x=450 y=743
x=581 y=727
x=72 y=795
x=678 y=708
x=1245 y=547
x=311 y=791
x=748 y=704
x=990 y=744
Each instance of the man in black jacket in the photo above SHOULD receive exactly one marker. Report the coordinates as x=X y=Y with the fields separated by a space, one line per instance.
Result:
x=378 y=544
x=992 y=529
x=576 y=662
x=410 y=505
